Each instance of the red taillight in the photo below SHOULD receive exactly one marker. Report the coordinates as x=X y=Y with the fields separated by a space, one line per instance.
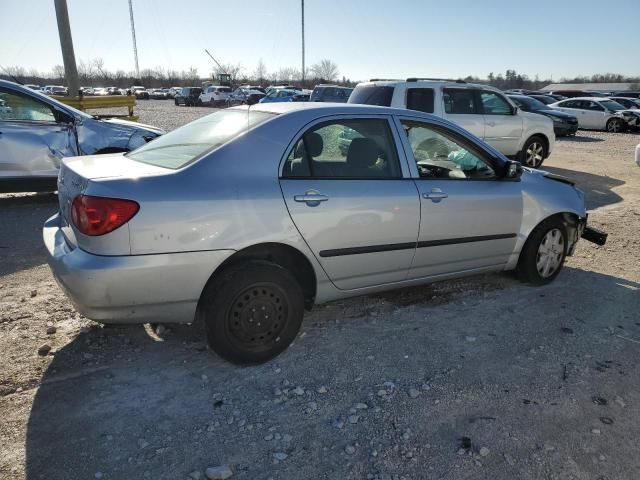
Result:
x=99 y=215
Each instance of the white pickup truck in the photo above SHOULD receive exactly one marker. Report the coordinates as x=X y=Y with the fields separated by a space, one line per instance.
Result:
x=482 y=110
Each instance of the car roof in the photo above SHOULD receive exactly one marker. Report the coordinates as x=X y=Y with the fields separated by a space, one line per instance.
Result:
x=426 y=82
x=593 y=99
x=330 y=108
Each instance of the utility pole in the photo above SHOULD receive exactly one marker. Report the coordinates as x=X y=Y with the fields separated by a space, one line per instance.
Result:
x=302 y=41
x=133 y=34
x=66 y=43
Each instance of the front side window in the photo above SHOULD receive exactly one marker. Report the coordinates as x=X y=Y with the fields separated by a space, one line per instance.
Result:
x=17 y=106
x=440 y=155
x=420 y=99
x=610 y=105
x=349 y=149
x=459 y=101
x=494 y=104
x=183 y=145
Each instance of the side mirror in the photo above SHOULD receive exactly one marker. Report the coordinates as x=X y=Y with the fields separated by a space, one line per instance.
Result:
x=513 y=170
x=64 y=117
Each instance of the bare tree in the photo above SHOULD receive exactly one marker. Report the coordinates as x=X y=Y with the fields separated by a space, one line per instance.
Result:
x=261 y=71
x=325 y=70
x=288 y=74
x=58 y=72
x=235 y=70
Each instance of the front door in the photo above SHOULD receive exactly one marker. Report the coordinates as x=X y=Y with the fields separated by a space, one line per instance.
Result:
x=461 y=107
x=470 y=218
x=32 y=142
x=348 y=191
x=502 y=124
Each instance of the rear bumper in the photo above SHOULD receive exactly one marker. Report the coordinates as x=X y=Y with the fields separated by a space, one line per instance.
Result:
x=132 y=288
x=565 y=129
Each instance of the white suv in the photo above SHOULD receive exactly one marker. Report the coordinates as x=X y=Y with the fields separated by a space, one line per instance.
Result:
x=482 y=110
x=215 y=95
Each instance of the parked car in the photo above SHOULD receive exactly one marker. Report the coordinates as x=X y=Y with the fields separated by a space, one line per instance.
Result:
x=140 y=92
x=285 y=95
x=215 y=95
x=160 y=94
x=32 y=86
x=55 y=90
x=627 y=93
x=38 y=131
x=330 y=93
x=100 y=91
x=244 y=218
x=577 y=93
x=484 y=111
x=627 y=102
x=563 y=123
x=190 y=96
x=255 y=87
x=175 y=91
x=87 y=90
x=244 y=96
x=598 y=113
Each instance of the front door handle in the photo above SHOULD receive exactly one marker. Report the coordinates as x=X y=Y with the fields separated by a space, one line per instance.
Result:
x=311 y=197
x=435 y=195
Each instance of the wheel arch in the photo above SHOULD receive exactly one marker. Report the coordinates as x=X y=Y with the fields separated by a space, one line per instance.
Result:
x=286 y=256
x=571 y=221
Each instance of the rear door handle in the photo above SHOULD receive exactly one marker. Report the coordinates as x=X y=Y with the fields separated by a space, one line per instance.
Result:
x=435 y=195
x=312 y=198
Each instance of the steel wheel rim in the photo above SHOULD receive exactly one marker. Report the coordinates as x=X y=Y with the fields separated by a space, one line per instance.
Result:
x=257 y=316
x=550 y=253
x=534 y=154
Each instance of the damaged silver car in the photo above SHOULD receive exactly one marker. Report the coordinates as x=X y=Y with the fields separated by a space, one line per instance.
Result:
x=37 y=132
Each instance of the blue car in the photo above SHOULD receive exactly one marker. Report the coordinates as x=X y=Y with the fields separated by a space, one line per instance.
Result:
x=285 y=95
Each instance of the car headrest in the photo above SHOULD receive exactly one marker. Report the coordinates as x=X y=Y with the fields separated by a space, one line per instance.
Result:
x=314 y=143
x=363 y=153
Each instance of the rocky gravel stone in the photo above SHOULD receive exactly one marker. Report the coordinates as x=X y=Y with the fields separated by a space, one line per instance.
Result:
x=349 y=449
x=43 y=350
x=218 y=473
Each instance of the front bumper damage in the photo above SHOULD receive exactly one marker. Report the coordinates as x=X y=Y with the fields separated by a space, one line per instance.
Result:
x=591 y=234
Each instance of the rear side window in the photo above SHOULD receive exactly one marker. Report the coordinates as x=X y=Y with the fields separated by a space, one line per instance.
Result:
x=345 y=149
x=179 y=147
x=372 y=95
x=420 y=99
x=459 y=101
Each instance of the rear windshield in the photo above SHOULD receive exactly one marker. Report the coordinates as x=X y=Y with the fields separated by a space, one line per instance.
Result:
x=179 y=147
x=372 y=95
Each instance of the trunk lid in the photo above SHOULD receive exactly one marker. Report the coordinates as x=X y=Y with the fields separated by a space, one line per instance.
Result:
x=76 y=174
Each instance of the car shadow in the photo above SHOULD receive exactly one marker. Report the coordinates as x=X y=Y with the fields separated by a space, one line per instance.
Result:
x=598 y=189
x=129 y=404
x=21 y=218
x=578 y=138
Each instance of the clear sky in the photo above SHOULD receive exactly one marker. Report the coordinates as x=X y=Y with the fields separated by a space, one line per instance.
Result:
x=366 y=38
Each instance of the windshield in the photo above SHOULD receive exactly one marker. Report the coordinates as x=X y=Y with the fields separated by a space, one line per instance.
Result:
x=611 y=105
x=372 y=95
x=179 y=147
x=530 y=103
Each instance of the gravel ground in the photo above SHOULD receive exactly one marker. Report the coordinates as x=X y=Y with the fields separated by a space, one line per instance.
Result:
x=478 y=378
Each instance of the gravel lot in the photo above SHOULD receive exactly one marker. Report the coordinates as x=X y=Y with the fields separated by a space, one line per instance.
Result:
x=478 y=378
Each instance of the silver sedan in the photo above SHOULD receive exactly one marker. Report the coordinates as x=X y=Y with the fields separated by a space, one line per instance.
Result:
x=37 y=132
x=245 y=217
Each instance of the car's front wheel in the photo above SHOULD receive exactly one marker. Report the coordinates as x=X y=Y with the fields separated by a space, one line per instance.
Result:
x=615 y=125
x=252 y=311
x=534 y=152
x=544 y=252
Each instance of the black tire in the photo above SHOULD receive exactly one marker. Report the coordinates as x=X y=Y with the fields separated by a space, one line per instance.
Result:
x=615 y=125
x=251 y=312
x=177 y=103
x=533 y=152
x=529 y=268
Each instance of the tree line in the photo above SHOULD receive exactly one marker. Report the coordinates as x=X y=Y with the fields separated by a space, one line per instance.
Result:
x=92 y=73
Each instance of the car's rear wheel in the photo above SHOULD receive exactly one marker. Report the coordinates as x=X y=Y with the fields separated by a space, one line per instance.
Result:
x=534 y=152
x=615 y=125
x=252 y=312
x=544 y=252
x=176 y=102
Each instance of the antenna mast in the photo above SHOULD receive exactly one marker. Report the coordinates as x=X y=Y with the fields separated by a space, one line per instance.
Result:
x=133 y=35
x=302 y=40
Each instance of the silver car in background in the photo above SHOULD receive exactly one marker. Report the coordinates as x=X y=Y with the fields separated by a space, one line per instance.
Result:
x=245 y=217
x=37 y=132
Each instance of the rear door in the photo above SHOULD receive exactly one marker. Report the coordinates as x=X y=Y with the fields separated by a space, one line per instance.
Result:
x=595 y=114
x=503 y=125
x=32 y=141
x=348 y=191
x=470 y=219
x=461 y=107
